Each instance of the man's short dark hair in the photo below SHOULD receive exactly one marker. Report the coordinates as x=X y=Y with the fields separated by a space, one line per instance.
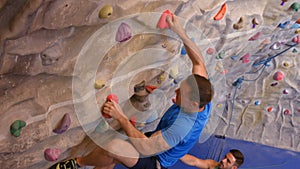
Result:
x=202 y=90
x=238 y=155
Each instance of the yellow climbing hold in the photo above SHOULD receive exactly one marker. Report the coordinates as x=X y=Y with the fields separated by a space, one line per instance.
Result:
x=99 y=84
x=106 y=11
x=297 y=31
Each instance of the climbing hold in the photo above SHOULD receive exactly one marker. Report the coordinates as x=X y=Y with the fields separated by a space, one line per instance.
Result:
x=221 y=55
x=162 y=23
x=296 y=39
x=234 y=57
x=295 y=26
x=162 y=78
x=111 y=97
x=174 y=71
x=285 y=91
x=174 y=100
x=283 y=25
x=99 y=84
x=298 y=21
x=210 y=51
x=245 y=58
x=294 y=50
x=133 y=120
x=254 y=22
x=297 y=31
x=219 y=105
x=106 y=11
x=239 y=24
x=102 y=126
x=275 y=46
x=270 y=109
x=16 y=126
x=282 y=2
x=295 y=6
x=286 y=112
x=63 y=125
x=221 y=12
x=278 y=76
x=183 y=50
x=274 y=84
x=150 y=88
x=123 y=33
x=286 y=64
x=52 y=154
x=255 y=37
x=257 y=103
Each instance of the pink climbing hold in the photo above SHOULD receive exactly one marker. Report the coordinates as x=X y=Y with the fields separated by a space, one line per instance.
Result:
x=63 y=125
x=278 y=76
x=52 y=154
x=162 y=23
x=210 y=51
x=123 y=33
x=245 y=58
x=296 y=39
x=255 y=37
x=286 y=112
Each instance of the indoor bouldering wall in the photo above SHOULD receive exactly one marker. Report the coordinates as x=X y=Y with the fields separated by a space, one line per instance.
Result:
x=61 y=59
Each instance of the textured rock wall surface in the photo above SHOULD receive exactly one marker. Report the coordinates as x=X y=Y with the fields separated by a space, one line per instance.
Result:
x=52 y=51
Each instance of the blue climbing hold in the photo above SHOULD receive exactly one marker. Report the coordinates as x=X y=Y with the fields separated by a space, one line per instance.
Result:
x=283 y=25
x=234 y=57
x=238 y=82
x=257 y=103
x=295 y=26
x=183 y=51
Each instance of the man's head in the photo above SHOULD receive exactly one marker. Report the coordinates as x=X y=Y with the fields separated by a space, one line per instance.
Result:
x=232 y=160
x=195 y=90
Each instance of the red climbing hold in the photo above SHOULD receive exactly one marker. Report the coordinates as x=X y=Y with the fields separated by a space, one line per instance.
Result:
x=150 y=88
x=221 y=12
x=210 y=51
x=133 y=120
x=278 y=76
x=111 y=97
x=270 y=109
x=245 y=58
x=162 y=23
x=286 y=112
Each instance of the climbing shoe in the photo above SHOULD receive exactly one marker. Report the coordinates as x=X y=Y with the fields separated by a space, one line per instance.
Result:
x=68 y=164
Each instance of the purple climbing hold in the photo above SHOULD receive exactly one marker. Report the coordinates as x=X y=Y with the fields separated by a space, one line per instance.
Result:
x=255 y=37
x=63 y=125
x=282 y=2
x=285 y=91
x=278 y=76
x=274 y=84
x=52 y=154
x=245 y=58
x=123 y=33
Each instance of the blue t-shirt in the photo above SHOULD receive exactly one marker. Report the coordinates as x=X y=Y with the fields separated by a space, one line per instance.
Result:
x=181 y=131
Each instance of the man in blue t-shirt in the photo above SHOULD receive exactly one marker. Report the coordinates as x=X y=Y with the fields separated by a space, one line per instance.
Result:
x=176 y=133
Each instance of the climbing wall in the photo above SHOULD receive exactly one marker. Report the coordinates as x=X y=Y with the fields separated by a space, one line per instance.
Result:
x=60 y=60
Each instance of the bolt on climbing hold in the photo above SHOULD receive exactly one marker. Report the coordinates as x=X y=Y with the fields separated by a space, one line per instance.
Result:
x=297 y=31
x=285 y=91
x=99 y=83
x=234 y=57
x=221 y=12
x=239 y=24
x=257 y=103
x=63 y=125
x=221 y=55
x=283 y=25
x=275 y=46
x=210 y=51
x=111 y=97
x=295 y=6
x=278 y=76
x=282 y=2
x=255 y=37
x=106 y=11
x=162 y=22
x=124 y=33
x=269 y=109
x=16 y=126
x=295 y=26
x=274 y=84
x=183 y=50
x=254 y=22
x=52 y=154
x=286 y=112
x=295 y=50
x=245 y=58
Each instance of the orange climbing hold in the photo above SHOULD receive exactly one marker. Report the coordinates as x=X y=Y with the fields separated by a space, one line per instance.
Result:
x=150 y=88
x=162 y=23
x=269 y=109
x=221 y=12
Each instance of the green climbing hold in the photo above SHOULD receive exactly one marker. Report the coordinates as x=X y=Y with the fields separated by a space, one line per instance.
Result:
x=295 y=6
x=16 y=126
